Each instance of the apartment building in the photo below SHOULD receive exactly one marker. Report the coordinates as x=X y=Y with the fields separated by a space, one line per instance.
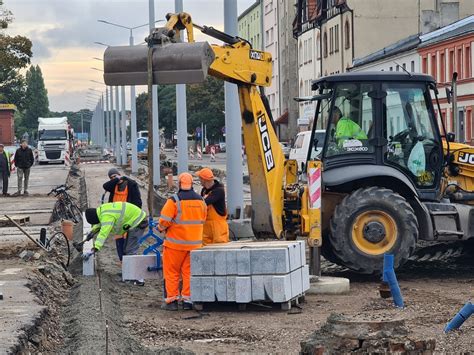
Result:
x=250 y=25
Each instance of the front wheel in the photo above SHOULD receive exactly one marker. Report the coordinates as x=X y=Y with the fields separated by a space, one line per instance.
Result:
x=369 y=223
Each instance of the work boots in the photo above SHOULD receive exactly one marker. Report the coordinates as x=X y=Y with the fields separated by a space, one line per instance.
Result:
x=172 y=306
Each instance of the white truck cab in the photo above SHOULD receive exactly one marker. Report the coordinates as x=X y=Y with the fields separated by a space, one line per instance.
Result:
x=54 y=139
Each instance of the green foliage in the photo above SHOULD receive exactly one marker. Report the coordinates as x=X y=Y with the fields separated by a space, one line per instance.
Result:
x=36 y=100
x=15 y=54
x=205 y=103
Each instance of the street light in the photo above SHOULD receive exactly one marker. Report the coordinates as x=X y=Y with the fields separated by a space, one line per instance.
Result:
x=133 y=107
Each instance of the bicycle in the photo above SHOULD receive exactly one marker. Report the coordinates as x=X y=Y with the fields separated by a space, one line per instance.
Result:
x=65 y=208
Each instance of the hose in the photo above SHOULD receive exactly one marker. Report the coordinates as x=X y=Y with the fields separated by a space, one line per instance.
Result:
x=459 y=318
x=390 y=278
x=68 y=247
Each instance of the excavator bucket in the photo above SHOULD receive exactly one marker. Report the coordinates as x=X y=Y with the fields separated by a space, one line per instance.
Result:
x=173 y=63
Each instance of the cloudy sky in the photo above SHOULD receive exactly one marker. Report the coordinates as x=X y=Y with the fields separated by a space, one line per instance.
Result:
x=64 y=31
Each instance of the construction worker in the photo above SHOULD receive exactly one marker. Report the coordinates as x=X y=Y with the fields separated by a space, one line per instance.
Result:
x=122 y=189
x=216 y=229
x=5 y=169
x=117 y=218
x=182 y=219
x=346 y=128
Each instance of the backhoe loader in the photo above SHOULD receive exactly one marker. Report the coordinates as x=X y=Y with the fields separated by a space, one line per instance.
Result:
x=388 y=176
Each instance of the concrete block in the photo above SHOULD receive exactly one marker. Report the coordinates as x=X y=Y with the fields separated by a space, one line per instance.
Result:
x=231 y=293
x=258 y=288
x=281 y=288
x=220 y=288
x=305 y=277
x=135 y=267
x=243 y=262
x=302 y=245
x=241 y=228
x=220 y=262
x=231 y=262
x=296 y=283
x=269 y=261
x=243 y=289
x=202 y=262
x=202 y=289
x=88 y=268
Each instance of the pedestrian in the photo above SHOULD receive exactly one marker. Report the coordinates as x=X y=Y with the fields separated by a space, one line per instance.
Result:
x=216 y=229
x=5 y=169
x=24 y=160
x=122 y=189
x=117 y=218
x=182 y=218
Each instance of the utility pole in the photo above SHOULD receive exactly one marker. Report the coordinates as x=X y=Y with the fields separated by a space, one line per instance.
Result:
x=133 y=122
x=112 y=120
x=107 y=117
x=181 y=113
x=118 y=154
x=233 y=123
x=124 y=127
x=156 y=125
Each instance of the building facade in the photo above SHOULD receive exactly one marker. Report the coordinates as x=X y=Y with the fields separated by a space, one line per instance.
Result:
x=250 y=25
x=439 y=53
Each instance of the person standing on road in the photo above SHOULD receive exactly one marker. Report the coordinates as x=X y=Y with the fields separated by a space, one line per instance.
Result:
x=117 y=218
x=4 y=169
x=122 y=189
x=181 y=220
x=24 y=160
x=216 y=229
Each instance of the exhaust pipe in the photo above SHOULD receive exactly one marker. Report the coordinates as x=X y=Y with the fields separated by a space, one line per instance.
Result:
x=173 y=63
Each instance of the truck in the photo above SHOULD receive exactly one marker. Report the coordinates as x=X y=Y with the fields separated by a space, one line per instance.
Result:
x=387 y=178
x=55 y=138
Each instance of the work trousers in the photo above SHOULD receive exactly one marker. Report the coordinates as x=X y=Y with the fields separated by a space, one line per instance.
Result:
x=130 y=244
x=4 y=180
x=176 y=264
x=23 y=173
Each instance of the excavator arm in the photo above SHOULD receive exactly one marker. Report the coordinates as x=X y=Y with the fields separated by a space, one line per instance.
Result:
x=234 y=61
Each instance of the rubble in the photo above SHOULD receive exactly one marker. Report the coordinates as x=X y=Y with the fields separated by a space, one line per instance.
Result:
x=374 y=332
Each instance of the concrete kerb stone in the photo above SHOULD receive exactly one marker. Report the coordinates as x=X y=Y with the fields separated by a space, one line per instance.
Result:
x=325 y=285
x=88 y=266
x=135 y=267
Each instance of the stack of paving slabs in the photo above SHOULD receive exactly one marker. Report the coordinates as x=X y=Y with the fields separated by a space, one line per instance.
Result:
x=244 y=272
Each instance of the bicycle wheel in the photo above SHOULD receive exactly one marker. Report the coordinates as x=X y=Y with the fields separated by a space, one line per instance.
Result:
x=75 y=213
x=60 y=211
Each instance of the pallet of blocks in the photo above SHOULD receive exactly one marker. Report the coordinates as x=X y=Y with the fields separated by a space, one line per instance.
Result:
x=248 y=272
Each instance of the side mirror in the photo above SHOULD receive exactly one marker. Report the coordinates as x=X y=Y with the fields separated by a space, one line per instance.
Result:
x=450 y=137
x=449 y=94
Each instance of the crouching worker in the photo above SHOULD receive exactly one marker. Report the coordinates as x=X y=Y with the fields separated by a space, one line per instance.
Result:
x=181 y=221
x=117 y=218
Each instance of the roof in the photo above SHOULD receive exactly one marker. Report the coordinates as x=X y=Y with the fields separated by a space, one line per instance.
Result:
x=250 y=8
x=283 y=119
x=455 y=29
x=374 y=76
x=403 y=45
x=7 y=107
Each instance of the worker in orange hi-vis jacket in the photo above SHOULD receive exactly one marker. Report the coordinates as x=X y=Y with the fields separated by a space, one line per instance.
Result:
x=181 y=220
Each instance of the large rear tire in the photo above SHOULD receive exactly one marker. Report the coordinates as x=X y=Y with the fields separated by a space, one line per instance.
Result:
x=369 y=223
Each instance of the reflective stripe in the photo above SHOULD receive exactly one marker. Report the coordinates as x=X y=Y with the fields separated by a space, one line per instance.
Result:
x=107 y=224
x=179 y=241
x=178 y=206
x=118 y=226
x=166 y=218
x=190 y=222
x=171 y=299
x=138 y=220
x=111 y=211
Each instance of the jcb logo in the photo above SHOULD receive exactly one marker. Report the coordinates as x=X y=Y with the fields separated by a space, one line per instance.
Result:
x=466 y=158
x=265 y=139
x=256 y=55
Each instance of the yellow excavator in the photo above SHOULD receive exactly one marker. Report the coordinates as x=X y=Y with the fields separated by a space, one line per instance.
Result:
x=385 y=177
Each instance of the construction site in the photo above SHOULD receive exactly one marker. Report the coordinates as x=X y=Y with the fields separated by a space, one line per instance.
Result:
x=358 y=237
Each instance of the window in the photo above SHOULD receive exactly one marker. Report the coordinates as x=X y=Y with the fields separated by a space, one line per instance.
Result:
x=434 y=66
x=318 y=44
x=408 y=118
x=398 y=68
x=467 y=62
x=391 y=68
x=300 y=59
x=404 y=66
x=310 y=50
x=347 y=35
x=325 y=44
x=336 y=38
x=424 y=65
x=412 y=66
x=442 y=67
x=459 y=63
x=331 y=40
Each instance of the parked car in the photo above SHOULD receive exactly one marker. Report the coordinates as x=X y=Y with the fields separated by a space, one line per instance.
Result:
x=216 y=147
x=285 y=146
x=222 y=146
x=299 y=152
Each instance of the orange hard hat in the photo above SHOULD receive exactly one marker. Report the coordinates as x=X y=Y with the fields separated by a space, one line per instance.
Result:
x=205 y=174
x=185 y=181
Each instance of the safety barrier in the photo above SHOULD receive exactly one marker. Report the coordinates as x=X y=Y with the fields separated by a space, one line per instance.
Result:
x=213 y=154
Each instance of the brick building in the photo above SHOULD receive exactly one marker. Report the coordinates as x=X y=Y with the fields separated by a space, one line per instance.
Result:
x=7 y=125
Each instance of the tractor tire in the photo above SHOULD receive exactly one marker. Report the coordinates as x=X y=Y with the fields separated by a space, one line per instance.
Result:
x=369 y=223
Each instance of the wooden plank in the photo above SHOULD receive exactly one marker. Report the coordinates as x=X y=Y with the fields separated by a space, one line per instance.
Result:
x=21 y=220
x=19 y=212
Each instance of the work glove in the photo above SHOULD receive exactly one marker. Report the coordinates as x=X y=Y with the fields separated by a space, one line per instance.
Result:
x=87 y=254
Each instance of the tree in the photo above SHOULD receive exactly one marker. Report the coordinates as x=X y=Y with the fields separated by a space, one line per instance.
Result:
x=15 y=54
x=37 y=104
